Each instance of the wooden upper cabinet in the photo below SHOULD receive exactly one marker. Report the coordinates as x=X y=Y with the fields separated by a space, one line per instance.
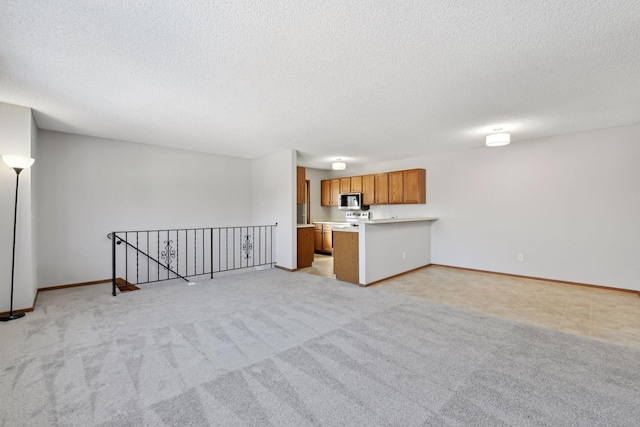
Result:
x=335 y=191
x=300 y=185
x=325 y=192
x=382 y=188
x=345 y=185
x=368 y=189
x=396 y=187
x=406 y=186
x=329 y=189
x=356 y=184
x=415 y=186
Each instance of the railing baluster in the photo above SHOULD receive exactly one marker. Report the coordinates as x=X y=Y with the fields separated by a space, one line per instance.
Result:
x=186 y=252
x=177 y=250
x=211 y=254
x=113 y=262
x=137 y=259
x=126 y=259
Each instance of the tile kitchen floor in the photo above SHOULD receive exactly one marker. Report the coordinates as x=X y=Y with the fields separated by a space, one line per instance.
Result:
x=322 y=266
x=602 y=314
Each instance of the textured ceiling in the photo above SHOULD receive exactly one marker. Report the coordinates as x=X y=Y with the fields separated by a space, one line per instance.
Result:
x=361 y=80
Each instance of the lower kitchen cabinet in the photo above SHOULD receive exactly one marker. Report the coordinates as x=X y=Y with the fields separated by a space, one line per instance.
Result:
x=305 y=246
x=327 y=238
x=346 y=263
x=323 y=238
x=317 y=238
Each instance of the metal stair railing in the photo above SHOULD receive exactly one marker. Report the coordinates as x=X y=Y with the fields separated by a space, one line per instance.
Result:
x=158 y=255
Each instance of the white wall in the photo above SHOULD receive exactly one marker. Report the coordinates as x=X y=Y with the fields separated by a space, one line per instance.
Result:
x=16 y=125
x=88 y=187
x=394 y=248
x=34 y=206
x=570 y=204
x=274 y=201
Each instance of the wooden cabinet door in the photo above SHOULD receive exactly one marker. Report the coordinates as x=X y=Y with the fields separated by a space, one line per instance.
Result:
x=368 y=189
x=346 y=257
x=327 y=238
x=415 y=186
x=306 y=237
x=335 y=191
x=300 y=185
x=325 y=190
x=345 y=185
x=317 y=238
x=382 y=188
x=356 y=184
x=396 y=187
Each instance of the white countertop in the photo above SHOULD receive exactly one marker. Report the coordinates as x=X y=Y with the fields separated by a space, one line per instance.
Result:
x=330 y=221
x=305 y=225
x=395 y=220
x=375 y=221
x=346 y=229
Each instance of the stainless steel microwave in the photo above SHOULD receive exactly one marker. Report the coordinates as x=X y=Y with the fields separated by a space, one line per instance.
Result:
x=351 y=202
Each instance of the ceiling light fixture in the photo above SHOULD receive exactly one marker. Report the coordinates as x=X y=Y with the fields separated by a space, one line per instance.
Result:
x=498 y=138
x=338 y=165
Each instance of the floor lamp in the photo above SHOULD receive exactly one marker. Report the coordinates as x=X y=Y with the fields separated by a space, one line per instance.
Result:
x=18 y=163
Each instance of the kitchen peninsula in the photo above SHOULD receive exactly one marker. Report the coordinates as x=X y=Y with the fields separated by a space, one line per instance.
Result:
x=384 y=248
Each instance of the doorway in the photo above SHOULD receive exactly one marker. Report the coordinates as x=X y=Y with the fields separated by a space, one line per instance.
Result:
x=322 y=266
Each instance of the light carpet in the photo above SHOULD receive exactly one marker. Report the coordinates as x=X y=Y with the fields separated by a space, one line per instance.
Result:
x=272 y=348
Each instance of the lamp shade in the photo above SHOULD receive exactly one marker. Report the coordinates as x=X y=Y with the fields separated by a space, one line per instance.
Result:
x=18 y=162
x=498 y=139
x=339 y=165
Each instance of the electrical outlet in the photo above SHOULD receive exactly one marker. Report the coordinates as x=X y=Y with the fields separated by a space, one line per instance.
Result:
x=404 y=255
x=520 y=257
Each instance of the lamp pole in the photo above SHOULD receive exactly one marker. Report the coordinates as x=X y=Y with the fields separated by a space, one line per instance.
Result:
x=18 y=164
x=12 y=315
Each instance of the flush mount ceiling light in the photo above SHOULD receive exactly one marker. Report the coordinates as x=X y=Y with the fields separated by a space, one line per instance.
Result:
x=338 y=165
x=498 y=138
